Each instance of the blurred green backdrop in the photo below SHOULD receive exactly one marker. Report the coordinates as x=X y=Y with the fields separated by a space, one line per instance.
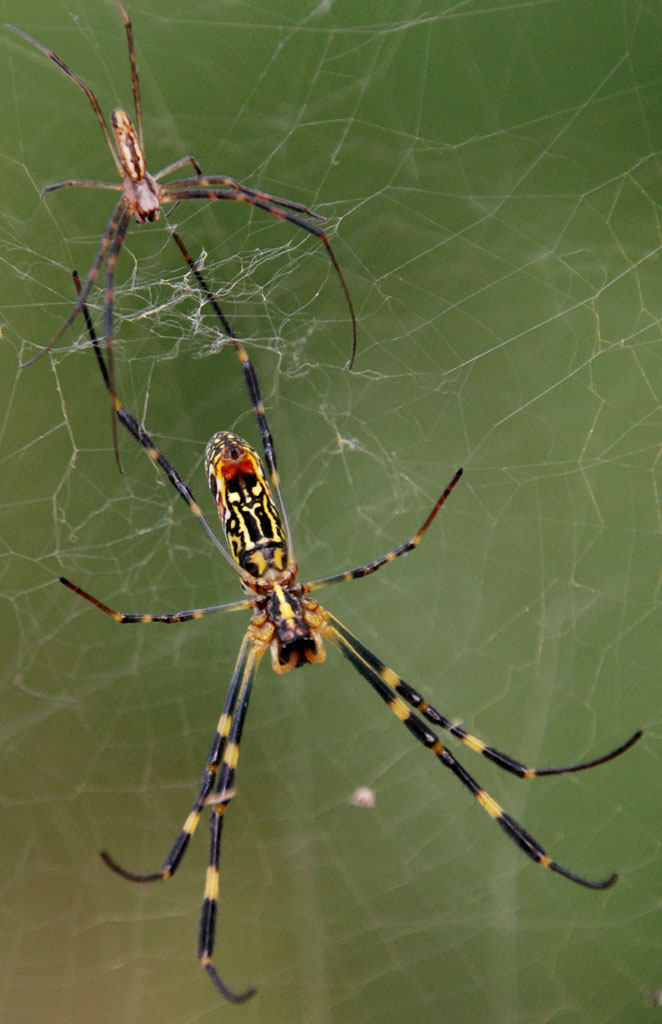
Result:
x=492 y=183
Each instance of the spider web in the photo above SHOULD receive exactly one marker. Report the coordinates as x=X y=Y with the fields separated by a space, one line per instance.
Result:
x=491 y=176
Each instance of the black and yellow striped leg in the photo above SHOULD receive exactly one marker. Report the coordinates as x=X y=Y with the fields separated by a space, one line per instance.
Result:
x=214 y=186
x=221 y=767
x=251 y=383
x=111 y=263
x=168 y=618
x=380 y=681
x=251 y=654
x=138 y=432
x=505 y=761
x=248 y=369
x=216 y=754
x=402 y=549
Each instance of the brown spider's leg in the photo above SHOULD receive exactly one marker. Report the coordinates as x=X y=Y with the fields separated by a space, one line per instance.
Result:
x=111 y=227
x=365 y=570
x=505 y=761
x=79 y=82
x=188 y=159
x=225 y=181
x=135 y=83
x=172 y=192
x=80 y=182
x=138 y=432
x=108 y=326
x=347 y=644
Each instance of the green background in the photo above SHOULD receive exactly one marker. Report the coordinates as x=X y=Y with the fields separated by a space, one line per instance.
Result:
x=491 y=177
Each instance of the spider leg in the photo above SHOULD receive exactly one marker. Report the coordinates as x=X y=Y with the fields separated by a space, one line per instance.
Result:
x=82 y=182
x=137 y=431
x=252 y=386
x=180 y=190
x=226 y=182
x=349 y=646
x=115 y=249
x=176 y=164
x=79 y=82
x=135 y=82
x=402 y=549
x=86 y=287
x=224 y=785
x=224 y=750
x=166 y=617
x=418 y=702
x=223 y=755
x=220 y=750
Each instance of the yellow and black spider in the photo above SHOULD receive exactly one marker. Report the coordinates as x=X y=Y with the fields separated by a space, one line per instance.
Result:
x=143 y=195
x=292 y=626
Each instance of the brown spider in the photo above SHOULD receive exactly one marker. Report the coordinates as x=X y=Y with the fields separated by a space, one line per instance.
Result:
x=143 y=195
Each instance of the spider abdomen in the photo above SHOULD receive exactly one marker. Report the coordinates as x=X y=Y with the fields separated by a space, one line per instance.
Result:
x=130 y=152
x=246 y=508
x=140 y=188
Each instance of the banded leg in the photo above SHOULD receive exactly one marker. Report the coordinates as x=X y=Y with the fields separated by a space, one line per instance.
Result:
x=176 y=164
x=221 y=767
x=108 y=325
x=351 y=648
x=232 y=185
x=79 y=82
x=137 y=105
x=137 y=431
x=169 y=618
x=418 y=702
x=135 y=81
x=251 y=383
x=107 y=186
x=402 y=549
x=111 y=228
x=218 y=804
x=194 y=188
